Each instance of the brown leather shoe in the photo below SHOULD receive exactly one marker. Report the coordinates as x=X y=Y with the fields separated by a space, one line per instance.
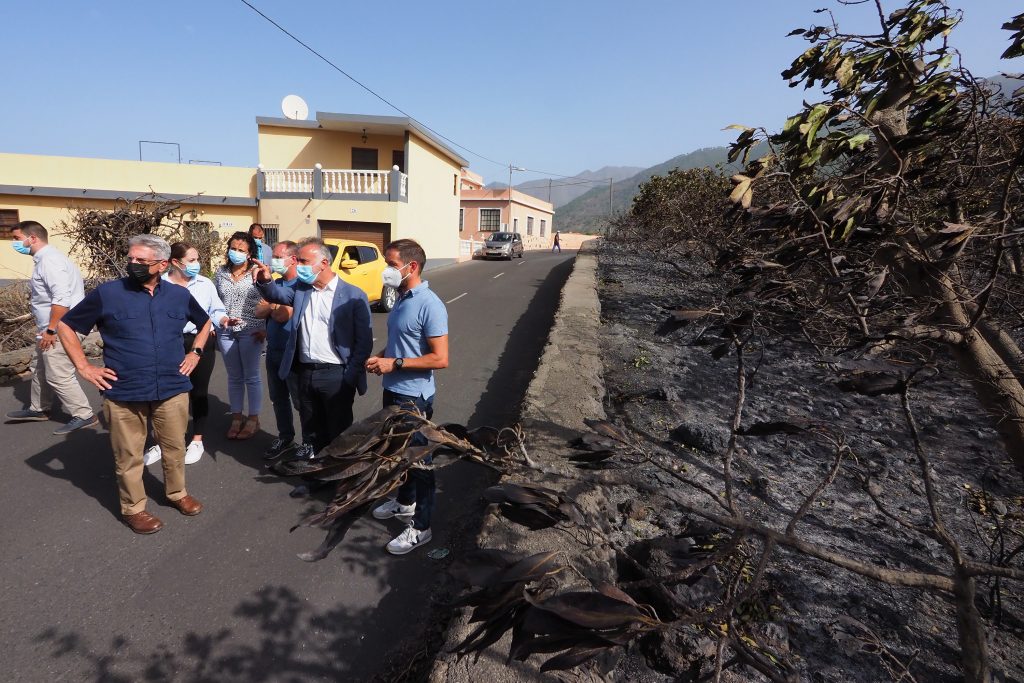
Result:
x=188 y=506
x=143 y=523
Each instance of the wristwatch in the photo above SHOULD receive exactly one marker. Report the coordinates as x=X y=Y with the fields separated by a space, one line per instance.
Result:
x=399 y=362
x=51 y=332
x=197 y=350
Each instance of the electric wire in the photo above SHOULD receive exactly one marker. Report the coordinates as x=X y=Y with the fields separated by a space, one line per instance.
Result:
x=392 y=104
x=364 y=86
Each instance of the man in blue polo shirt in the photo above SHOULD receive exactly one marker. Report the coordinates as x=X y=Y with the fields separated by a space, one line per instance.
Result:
x=145 y=373
x=417 y=345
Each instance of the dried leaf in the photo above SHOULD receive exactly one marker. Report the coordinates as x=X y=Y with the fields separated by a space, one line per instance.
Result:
x=605 y=428
x=572 y=658
x=531 y=568
x=593 y=610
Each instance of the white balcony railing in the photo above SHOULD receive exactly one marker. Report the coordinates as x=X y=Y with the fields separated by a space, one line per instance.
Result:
x=333 y=181
x=288 y=180
x=355 y=182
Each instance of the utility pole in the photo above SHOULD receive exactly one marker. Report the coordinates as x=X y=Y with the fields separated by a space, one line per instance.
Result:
x=508 y=226
x=609 y=198
x=549 y=190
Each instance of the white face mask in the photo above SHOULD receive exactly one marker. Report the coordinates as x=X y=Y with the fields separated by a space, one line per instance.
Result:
x=392 y=276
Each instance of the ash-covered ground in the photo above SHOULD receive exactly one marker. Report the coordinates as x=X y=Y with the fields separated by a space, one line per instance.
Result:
x=832 y=624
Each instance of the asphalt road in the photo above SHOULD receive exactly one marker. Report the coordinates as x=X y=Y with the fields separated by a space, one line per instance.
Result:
x=222 y=596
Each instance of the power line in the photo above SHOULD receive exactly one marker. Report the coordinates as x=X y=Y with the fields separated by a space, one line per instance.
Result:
x=544 y=186
x=559 y=175
x=366 y=87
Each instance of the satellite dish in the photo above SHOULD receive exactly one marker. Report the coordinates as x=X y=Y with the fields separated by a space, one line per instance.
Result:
x=294 y=107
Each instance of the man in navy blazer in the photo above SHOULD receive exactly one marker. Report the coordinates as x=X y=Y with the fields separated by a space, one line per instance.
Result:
x=328 y=344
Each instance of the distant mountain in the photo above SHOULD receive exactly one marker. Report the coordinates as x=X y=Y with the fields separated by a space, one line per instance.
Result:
x=564 y=190
x=589 y=212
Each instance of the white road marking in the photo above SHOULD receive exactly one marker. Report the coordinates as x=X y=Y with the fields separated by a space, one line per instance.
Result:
x=521 y=262
x=497 y=276
x=457 y=298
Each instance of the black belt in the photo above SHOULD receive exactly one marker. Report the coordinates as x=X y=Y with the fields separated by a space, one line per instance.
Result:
x=319 y=366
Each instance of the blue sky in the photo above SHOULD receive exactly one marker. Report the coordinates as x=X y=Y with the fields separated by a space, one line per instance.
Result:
x=555 y=86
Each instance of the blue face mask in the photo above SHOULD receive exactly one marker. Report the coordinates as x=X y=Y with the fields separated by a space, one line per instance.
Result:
x=237 y=257
x=257 y=240
x=192 y=269
x=19 y=246
x=277 y=265
x=305 y=274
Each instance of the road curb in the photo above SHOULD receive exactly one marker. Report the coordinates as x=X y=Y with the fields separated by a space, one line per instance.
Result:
x=567 y=387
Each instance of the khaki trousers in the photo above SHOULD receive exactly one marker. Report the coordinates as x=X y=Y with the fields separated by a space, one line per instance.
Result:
x=127 y=420
x=54 y=373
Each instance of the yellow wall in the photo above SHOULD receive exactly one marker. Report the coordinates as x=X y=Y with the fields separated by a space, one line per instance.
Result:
x=126 y=176
x=114 y=176
x=50 y=211
x=291 y=214
x=431 y=217
x=282 y=147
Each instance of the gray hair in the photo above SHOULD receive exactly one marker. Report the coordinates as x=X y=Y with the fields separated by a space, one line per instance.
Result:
x=159 y=245
x=325 y=252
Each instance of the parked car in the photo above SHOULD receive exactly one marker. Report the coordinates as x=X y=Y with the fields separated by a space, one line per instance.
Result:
x=361 y=264
x=506 y=245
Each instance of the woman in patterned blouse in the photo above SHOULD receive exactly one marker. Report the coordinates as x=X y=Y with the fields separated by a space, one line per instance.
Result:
x=242 y=344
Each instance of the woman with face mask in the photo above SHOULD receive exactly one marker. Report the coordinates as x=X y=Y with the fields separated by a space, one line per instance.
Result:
x=241 y=342
x=184 y=271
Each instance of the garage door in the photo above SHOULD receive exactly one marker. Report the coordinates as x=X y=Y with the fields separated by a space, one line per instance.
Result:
x=374 y=233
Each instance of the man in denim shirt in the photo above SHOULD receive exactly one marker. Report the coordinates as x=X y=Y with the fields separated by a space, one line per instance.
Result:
x=417 y=345
x=145 y=375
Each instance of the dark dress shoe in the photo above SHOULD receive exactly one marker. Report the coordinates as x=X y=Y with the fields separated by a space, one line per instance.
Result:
x=188 y=506
x=143 y=523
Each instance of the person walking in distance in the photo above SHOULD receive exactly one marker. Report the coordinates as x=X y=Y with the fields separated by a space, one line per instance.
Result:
x=242 y=343
x=327 y=346
x=279 y=327
x=262 y=252
x=557 y=245
x=184 y=271
x=417 y=345
x=145 y=375
x=56 y=286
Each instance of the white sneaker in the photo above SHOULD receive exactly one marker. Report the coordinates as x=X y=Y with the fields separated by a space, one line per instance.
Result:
x=409 y=539
x=193 y=452
x=393 y=508
x=151 y=455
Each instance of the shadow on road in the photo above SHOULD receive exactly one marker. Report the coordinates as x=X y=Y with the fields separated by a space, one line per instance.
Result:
x=283 y=638
x=84 y=457
x=501 y=401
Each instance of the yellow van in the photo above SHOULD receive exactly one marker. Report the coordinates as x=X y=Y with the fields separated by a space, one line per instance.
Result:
x=361 y=264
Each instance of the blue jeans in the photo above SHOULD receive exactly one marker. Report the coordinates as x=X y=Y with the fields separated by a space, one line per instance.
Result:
x=283 y=395
x=241 y=354
x=420 y=485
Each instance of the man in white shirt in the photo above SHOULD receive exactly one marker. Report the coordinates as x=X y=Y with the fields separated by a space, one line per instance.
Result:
x=56 y=286
x=328 y=346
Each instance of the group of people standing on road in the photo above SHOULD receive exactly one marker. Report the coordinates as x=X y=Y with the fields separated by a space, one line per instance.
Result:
x=160 y=323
